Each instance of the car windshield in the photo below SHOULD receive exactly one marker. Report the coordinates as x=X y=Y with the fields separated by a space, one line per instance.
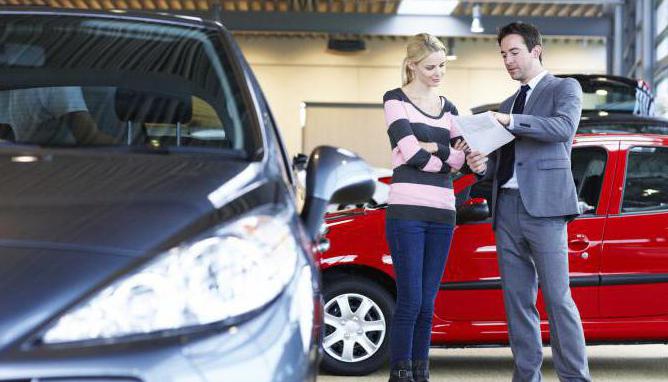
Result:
x=608 y=94
x=75 y=81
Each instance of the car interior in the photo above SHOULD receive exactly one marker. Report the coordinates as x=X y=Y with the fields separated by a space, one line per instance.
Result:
x=646 y=184
x=140 y=117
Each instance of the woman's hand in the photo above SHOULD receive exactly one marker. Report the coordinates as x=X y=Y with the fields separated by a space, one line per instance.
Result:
x=431 y=147
x=461 y=145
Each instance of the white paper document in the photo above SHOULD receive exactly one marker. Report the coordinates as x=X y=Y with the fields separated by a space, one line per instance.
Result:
x=483 y=132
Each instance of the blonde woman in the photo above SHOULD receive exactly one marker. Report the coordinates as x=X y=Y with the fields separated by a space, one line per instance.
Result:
x=421 y=208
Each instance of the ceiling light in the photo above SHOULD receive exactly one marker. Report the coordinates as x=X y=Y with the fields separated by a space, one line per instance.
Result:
x=476 y=24
x=25 y=158
x=427 y=7
x=602 y=92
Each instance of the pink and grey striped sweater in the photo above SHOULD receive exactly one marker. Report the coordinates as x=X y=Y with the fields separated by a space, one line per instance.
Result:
x=421 y=186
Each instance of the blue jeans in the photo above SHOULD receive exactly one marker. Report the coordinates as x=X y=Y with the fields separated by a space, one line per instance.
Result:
x=419 y=251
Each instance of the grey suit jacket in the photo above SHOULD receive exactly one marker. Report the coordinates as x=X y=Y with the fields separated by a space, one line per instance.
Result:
x=543 y=139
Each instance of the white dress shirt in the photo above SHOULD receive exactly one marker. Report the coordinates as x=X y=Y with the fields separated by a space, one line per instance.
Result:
x=512 y=182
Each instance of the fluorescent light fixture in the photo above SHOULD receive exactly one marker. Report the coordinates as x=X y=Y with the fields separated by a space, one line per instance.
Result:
x=476 y=24
x=427 y=7
x=602 y=92
x=25 y=159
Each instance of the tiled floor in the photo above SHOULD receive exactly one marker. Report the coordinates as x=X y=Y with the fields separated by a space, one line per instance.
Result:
x=628 y=363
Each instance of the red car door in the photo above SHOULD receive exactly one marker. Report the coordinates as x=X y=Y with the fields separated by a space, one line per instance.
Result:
x=470 y=295
x=634 y=277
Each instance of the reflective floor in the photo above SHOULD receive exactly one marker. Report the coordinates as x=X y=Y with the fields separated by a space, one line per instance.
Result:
x=628 y=363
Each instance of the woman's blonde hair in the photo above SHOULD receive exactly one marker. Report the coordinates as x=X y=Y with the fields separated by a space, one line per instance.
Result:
x=418 y=48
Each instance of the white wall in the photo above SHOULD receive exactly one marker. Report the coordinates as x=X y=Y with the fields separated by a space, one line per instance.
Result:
x=293 y=70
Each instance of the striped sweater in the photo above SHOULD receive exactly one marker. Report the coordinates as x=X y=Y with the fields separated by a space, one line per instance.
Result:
x=421 y=186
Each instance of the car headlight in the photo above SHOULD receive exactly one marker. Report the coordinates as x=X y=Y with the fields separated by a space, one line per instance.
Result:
x=236 y=270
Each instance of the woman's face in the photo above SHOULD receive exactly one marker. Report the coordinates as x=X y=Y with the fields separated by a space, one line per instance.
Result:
x=430 y=70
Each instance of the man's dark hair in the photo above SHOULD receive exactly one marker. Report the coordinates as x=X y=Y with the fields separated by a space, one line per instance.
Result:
x=529 y=33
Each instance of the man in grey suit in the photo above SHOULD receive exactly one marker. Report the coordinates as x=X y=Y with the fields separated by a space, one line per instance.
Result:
x=533 y=198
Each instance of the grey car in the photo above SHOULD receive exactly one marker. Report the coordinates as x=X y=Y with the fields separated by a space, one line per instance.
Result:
x=148 y=228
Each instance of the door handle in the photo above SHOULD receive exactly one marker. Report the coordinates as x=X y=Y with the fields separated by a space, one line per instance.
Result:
x=578 y=243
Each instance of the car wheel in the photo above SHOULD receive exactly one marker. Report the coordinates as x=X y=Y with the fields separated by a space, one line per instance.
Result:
x=357 y=313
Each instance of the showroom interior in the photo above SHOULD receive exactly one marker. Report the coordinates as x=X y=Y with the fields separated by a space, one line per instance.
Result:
x=343 y=54
x=320 y=69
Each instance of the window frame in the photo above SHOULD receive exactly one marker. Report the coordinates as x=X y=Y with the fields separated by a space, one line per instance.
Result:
x=605 y=150
x=623 y=191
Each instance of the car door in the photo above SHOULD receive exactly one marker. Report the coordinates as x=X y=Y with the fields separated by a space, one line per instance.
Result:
x=471 y=287
x=593 y=164
x=634 y=275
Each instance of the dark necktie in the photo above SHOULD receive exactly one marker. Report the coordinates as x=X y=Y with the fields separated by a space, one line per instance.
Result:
x=507 y=164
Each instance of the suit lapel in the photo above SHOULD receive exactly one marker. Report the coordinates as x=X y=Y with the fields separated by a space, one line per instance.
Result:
x=507 y=104
x=536 y=93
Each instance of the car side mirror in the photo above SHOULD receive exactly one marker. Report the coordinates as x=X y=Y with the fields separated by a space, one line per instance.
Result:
x=474 y=209
x=334 y=175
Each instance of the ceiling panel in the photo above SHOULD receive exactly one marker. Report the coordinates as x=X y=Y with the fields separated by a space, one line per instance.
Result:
x=536 y=8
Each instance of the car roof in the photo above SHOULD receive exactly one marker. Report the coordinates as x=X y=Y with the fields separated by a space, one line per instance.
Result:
x=122 y=14
x=590 y=117
x=655 y=139
x=621 y=124
x=602 y=78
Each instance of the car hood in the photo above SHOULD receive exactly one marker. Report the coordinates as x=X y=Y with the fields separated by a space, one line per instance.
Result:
x=72 y=221
x=106 y=202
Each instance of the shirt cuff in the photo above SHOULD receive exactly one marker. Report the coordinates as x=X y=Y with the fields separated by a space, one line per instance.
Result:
x=482 y=173
x=456 y=159
x=511 y=125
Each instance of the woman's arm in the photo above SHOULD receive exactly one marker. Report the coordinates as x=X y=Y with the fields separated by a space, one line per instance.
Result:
x=400 y=131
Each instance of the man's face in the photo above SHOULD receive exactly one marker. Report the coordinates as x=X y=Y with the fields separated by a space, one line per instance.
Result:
x=519 y=61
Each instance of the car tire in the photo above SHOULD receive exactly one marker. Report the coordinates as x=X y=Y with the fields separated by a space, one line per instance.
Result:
x=356 y=339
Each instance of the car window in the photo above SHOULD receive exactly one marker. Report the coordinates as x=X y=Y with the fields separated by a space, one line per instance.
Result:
x=646 y=184
x=588 y=167
x=89 y=82
x=609 y=96
x=616 y=94
x=204 y=128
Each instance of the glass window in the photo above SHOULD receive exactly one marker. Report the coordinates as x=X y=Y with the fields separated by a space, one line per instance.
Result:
x=609 y=97
x=87 y=81
x=616 y=94
x=646 y=185
x=588 y=167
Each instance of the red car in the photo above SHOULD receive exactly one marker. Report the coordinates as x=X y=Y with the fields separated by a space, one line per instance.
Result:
x=618 y=256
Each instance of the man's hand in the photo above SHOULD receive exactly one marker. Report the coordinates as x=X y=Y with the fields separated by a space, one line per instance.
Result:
x=477 y=162
x=431 y=147
x=503 y=119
